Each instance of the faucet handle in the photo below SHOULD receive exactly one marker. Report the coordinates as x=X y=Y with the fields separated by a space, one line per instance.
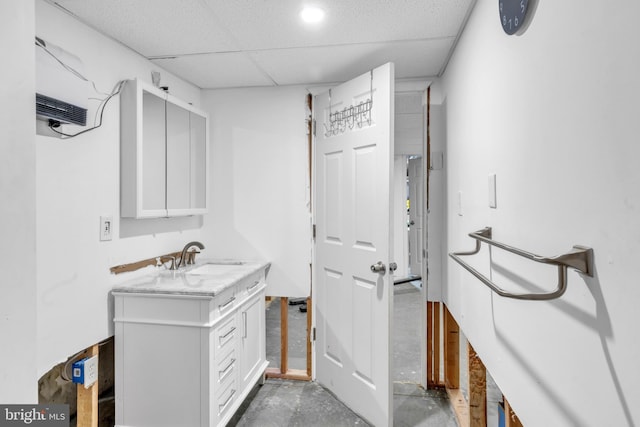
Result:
x=165 y=258
x=191 y=256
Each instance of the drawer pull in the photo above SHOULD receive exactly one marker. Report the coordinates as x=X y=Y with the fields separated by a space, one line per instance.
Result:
x=244 y=324
x=226 y=402
x=231 y=331
x=226 y=304
x=226 y=370
x=252 y=287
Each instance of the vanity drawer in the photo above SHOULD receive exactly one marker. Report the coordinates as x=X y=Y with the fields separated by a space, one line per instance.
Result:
x=224 y=400
x=225 y=370
x=250 y=285
x=223 y=303
x=224 y=336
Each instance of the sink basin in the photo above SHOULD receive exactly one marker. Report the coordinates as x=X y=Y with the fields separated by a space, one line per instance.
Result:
x=216 y=268
x=225 y=262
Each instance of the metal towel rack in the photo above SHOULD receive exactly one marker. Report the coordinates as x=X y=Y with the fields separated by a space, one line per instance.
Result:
x=579 y=258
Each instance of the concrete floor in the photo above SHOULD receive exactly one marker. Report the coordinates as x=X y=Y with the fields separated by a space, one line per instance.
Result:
x=281 y=403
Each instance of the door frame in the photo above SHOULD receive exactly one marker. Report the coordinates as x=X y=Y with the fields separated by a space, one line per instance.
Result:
x=424 y=87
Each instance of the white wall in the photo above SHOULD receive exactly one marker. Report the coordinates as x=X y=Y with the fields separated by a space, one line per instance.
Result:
x=77 y=180
x=18 y=207
x=260 y=181
x=554 y=114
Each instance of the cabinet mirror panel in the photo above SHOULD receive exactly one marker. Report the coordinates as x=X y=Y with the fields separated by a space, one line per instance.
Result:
x=153 y=152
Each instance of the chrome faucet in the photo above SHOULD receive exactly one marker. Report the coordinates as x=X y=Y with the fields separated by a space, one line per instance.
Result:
x=183 y=257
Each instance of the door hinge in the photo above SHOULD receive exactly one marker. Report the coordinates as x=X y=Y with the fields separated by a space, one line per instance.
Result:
x=313 y=335
x=313 y=232
x=313 y=127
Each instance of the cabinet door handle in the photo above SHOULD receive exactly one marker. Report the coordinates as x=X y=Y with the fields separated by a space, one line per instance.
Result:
x=252 y=287
x=232 y=330
x=226 y=370
x=226 y=304
x=244 y=324
x=226 y=402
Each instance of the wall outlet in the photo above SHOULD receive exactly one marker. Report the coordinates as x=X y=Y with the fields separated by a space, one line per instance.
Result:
x=106 y=227
x=90 y=371
x=85 y=371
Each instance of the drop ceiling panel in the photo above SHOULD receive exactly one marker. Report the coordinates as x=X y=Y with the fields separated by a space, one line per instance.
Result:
x=231 y=43
x=341 y=63
x=275 y=24
x=156 y=27
x=216 y=70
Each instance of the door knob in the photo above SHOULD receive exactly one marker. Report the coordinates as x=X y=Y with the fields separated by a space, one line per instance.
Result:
x=379 y=267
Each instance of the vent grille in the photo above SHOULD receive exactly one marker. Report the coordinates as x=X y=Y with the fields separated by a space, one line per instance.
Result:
x=63 y=112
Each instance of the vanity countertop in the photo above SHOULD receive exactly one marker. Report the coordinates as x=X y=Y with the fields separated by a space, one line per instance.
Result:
x=206 y=278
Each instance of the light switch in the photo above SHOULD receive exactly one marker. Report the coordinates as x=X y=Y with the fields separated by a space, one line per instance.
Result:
x=492 y=191
x=106 y=226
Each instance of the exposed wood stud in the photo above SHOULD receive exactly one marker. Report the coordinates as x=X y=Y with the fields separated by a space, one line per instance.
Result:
x=87 y=410
x=431 y=366
x=460 y=406
x=284 y=335
x=283 y=372
x=511 y=419
x=452 y=351
x=436 y=343
x=433 y=344
x=292 y=374
x=477 y=389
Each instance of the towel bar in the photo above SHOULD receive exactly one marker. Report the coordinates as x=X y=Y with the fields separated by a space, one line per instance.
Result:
x=579 y=258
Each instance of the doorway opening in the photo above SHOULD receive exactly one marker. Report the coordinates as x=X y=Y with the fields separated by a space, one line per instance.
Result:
x=410 y=184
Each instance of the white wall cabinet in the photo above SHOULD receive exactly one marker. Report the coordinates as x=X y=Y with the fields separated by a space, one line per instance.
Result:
x=163 y=154
x=188 y=360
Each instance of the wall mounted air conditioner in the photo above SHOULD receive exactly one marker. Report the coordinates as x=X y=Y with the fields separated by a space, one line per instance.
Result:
x=62 y=92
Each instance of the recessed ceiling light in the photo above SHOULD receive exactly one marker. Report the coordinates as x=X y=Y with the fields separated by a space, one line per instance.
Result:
x=312 y=14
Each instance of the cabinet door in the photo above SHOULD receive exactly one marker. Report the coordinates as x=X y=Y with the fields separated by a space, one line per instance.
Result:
x=252 y=341
x=186 y=161
x=153 y=153
x=178 y=158
x=199 y=161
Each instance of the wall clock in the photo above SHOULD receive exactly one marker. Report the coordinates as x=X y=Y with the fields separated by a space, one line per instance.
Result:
x=513 y=14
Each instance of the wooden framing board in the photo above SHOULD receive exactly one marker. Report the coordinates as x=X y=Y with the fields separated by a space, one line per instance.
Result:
x=284 y=372
x=87 y=409
x=510 y=417
x=451 y=351
x=471 y=413
x=433 y=345
x=477 y=389
x=124 y=268
x=284 y=335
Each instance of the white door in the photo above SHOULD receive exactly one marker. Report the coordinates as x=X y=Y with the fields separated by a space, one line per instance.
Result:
x=416 y=190
x=353 y=304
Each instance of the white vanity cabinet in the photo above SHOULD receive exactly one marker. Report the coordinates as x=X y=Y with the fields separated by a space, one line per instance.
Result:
x=163 y=154
x=188 y=359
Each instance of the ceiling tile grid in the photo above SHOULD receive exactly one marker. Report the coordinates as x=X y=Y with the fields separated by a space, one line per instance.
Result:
x=235 y=43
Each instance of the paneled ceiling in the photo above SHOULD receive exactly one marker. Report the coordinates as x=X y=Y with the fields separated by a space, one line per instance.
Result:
x=239 y=43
